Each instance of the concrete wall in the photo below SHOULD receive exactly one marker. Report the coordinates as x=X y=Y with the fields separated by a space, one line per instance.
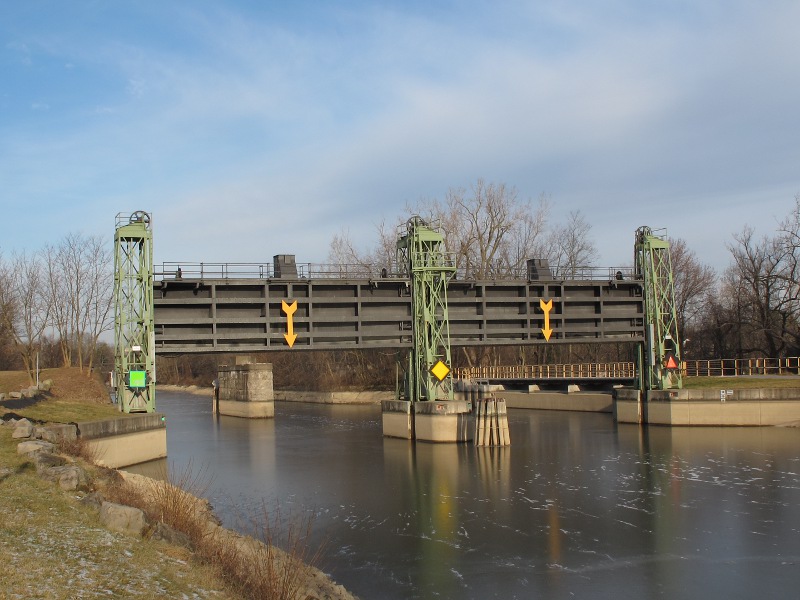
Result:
x=447 y=421
x=126 y=440
x=750 y=407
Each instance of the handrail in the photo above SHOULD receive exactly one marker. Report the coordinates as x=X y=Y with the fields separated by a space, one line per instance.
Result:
x=717 y=367
x=244 y=270
x=732 y=367
x=614 y=370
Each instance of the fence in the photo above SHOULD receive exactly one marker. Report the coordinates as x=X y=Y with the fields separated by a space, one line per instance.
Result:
x=720 y=367
x=616 y=370
x=731 y=367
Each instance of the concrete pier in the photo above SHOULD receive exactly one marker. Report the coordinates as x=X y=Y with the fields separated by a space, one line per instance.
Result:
x=397 y=419
x=709 y=407
x=125 y=441
x=245 y=390
x=439 y=421
x=443 y=421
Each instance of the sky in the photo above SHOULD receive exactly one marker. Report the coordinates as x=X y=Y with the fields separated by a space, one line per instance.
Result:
x=254 y=128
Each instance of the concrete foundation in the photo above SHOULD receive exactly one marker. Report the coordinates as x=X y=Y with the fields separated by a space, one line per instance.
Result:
x=396 y=417
x=245 y=390
x=750 y=407
x=441 y=421
x=125 y=441
x=446 y=421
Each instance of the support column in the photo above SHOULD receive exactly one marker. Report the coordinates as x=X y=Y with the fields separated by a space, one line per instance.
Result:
x=245 y=390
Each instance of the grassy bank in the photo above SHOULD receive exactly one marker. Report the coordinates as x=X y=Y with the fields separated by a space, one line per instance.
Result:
x=74 y=396
x=52 y=546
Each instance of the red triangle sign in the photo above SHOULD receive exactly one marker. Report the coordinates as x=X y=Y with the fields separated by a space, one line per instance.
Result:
x=671 y=362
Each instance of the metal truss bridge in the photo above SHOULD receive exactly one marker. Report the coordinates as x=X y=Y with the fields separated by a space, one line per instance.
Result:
x=237 y=307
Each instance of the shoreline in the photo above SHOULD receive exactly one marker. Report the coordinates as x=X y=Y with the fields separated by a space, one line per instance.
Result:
x=338 y=397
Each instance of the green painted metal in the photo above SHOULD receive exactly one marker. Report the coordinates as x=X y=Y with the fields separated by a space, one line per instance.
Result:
x=134 y=345
x=654 y=266
x=421 y=254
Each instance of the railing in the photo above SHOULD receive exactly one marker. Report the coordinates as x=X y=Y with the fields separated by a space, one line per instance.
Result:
x=189 y=270
x=731 y=367
x=233 y=270
x=726 y=367
x=616 y=370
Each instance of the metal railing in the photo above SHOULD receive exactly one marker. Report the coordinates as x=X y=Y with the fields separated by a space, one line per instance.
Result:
x=719 y=367
x=732 y=367
x=236 y=270
x=203 y=270
x=615 y=370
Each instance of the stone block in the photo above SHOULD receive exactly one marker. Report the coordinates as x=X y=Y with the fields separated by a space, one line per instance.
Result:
x=59 y=431
x=22 y=431
x=35 y=446
x=68 y=477
x=47 y=460
x=119 y=517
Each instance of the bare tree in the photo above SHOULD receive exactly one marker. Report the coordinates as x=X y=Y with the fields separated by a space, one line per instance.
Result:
x=572 y=245
x=79 y=283
x=26 y=297
x=345 y=259
x=694 y=285
x=758 y=276
x=490 y=229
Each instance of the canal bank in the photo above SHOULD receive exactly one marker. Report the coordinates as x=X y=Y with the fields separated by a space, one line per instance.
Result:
x=578 y=506
x=729 y=407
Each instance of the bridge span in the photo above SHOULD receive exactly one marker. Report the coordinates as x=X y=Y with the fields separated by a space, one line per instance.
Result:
x=200 y=308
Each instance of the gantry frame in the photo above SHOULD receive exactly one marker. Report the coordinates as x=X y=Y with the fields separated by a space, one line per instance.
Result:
x=422 y=256
x=134 y=337
x=661 y=356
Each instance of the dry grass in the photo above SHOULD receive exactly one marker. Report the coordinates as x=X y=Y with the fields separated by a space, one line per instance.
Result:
x=52 y=547
x=273 y=564
x=78 y=447
x=74 y=397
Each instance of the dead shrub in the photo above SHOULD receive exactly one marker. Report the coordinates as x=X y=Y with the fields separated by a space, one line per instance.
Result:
x=271 y=564
x=78 y=447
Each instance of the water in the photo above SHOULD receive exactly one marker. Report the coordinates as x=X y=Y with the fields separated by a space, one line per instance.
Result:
x=577 y=507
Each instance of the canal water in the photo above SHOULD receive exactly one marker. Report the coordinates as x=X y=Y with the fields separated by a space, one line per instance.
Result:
x=577 y=507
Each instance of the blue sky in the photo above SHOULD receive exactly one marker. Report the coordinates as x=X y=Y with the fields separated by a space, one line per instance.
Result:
x=250 y=128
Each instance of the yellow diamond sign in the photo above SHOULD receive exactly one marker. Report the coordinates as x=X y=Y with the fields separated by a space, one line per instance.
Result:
x=440 y=370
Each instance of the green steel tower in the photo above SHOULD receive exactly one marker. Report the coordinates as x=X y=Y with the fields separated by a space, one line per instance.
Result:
x=662 y=353
x=134 y=347
x=422 y=255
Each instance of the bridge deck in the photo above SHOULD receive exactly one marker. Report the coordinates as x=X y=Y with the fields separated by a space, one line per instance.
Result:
x=194 y=315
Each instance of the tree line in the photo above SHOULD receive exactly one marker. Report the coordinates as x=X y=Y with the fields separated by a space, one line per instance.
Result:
x=750 y=309
x=54 y=305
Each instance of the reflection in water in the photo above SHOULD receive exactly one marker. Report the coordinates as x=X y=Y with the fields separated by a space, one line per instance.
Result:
x=576 y=507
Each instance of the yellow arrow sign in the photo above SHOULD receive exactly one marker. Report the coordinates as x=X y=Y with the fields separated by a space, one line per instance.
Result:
x=546 y=307
x=289 y=310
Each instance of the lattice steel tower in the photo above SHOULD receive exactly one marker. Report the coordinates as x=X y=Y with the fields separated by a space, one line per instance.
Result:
x=134 y=346
x=421 y=254
x=662 y=352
